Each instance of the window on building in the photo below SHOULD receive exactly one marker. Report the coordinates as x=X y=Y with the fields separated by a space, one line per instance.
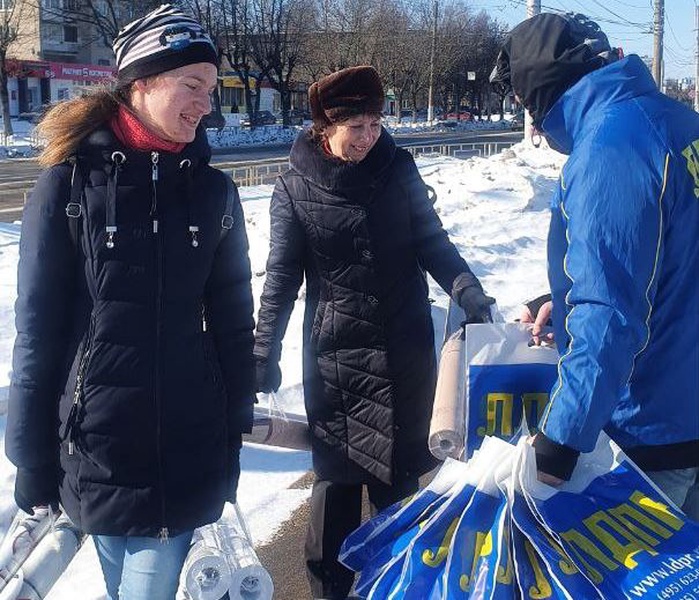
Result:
x=51 y=32
x=73 y=5
x=53 y=4
x=6 y=4
x=70 y=33
x=63 y=94
x=103 y=62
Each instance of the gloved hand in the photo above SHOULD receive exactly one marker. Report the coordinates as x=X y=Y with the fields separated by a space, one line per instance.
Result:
x=234 y=472
x=36 y=487
x=268 y=375
x=468 y=292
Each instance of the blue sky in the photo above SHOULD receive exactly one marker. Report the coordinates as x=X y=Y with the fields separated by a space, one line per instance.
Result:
x=627 y=23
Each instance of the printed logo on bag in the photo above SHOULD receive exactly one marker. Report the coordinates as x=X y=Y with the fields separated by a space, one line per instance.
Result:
x=626 y=539
x=615 y=537
x=500 y=394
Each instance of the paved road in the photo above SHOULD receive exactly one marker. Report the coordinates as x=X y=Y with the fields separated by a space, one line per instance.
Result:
x=18 y=175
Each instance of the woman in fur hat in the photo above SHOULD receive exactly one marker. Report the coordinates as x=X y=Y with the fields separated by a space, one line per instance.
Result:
x=354 y=219
x=133 y=373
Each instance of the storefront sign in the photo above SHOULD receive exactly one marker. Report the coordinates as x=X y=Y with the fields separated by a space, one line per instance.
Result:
x=81 y=72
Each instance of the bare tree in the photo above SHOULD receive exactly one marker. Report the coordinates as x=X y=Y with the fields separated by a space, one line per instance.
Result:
x=277 y=43
x=12 y=24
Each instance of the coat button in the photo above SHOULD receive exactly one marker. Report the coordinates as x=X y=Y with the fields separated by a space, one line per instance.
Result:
x=372 y=300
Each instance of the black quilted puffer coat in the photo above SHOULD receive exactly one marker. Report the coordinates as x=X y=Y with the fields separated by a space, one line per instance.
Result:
x=133 y=363
x=362 y=235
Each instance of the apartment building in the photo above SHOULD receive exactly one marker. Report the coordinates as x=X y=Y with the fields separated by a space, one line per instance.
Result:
x=57 y=52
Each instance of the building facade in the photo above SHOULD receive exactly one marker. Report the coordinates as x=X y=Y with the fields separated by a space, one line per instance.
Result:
x=57 y=53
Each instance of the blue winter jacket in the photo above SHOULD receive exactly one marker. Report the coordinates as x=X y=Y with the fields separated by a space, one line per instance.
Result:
x=623 y=267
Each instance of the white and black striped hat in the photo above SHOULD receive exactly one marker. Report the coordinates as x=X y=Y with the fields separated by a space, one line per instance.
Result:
x=163 y=40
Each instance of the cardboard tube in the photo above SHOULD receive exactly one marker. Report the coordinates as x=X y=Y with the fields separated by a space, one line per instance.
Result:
x=448 y=424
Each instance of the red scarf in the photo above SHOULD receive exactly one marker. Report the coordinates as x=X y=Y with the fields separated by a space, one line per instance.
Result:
x=134 y=134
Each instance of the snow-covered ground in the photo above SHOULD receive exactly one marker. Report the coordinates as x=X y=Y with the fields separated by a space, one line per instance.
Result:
x=496 y=212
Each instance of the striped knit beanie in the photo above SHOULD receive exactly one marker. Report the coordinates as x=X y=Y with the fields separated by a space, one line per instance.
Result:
x=163 y=40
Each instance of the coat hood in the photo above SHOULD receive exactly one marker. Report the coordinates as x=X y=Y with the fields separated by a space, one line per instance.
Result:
x=546 y=55
x=310 y=161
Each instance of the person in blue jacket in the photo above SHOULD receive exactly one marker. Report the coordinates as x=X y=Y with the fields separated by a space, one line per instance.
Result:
x=623 y=252
x=133 y=371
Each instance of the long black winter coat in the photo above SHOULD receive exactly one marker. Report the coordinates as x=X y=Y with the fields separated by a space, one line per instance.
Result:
x=135 y=360
x=362 y=235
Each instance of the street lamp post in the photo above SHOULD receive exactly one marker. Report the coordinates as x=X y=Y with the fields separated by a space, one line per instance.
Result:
x=433 y=49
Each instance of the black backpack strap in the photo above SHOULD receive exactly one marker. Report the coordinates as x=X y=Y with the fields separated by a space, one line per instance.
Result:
x=74 y=207
x=227 y=218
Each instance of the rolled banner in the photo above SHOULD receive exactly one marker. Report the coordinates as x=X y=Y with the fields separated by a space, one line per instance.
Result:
x=207 y=574
x=21 y=538
x=448 y=424
x=222 y=559
x=50 y=559
x=249 y=579
x=13 y=587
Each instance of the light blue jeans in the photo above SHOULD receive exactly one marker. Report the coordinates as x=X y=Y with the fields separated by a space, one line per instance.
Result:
x=141 y=568
x=681 y=486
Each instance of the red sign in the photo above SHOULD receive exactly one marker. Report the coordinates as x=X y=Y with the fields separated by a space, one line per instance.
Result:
x=81 y=72
x=51 y=70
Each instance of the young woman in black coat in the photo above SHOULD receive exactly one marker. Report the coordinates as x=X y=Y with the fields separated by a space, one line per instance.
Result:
x=353 y=217
x=133 y=373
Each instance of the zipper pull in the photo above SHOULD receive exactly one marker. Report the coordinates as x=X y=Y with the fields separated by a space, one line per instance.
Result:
x=203 y=318
x=164 y=535
x=71 y=448
x=154 y=156
x=194 y=230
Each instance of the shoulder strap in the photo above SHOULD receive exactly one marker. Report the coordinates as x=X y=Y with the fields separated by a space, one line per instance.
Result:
x=74 y=207
x=227 y=218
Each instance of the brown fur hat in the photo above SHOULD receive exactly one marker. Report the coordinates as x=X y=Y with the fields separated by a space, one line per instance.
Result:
x=346 y=93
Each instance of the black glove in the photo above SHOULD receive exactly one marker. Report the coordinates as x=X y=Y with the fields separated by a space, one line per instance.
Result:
x=268 y=375
x=467 y=291
x=36 y=487
x=234 y=472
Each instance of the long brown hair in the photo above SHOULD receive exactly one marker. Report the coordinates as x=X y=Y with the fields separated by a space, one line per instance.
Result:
x=68 y=122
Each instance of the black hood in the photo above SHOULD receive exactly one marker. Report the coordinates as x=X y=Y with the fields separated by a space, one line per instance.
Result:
x=546 y=55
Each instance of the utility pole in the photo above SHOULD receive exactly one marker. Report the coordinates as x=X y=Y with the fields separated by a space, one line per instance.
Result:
x=533 y=9
x=658 y=25
x=696 y=60
x=433 y=50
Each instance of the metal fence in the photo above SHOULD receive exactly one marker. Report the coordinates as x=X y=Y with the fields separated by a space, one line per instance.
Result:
x=466 y=150
x=261 y=172
x=266 y=171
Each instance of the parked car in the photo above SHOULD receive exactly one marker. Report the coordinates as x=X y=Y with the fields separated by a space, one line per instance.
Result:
x=459 y=116
x=261 y=117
